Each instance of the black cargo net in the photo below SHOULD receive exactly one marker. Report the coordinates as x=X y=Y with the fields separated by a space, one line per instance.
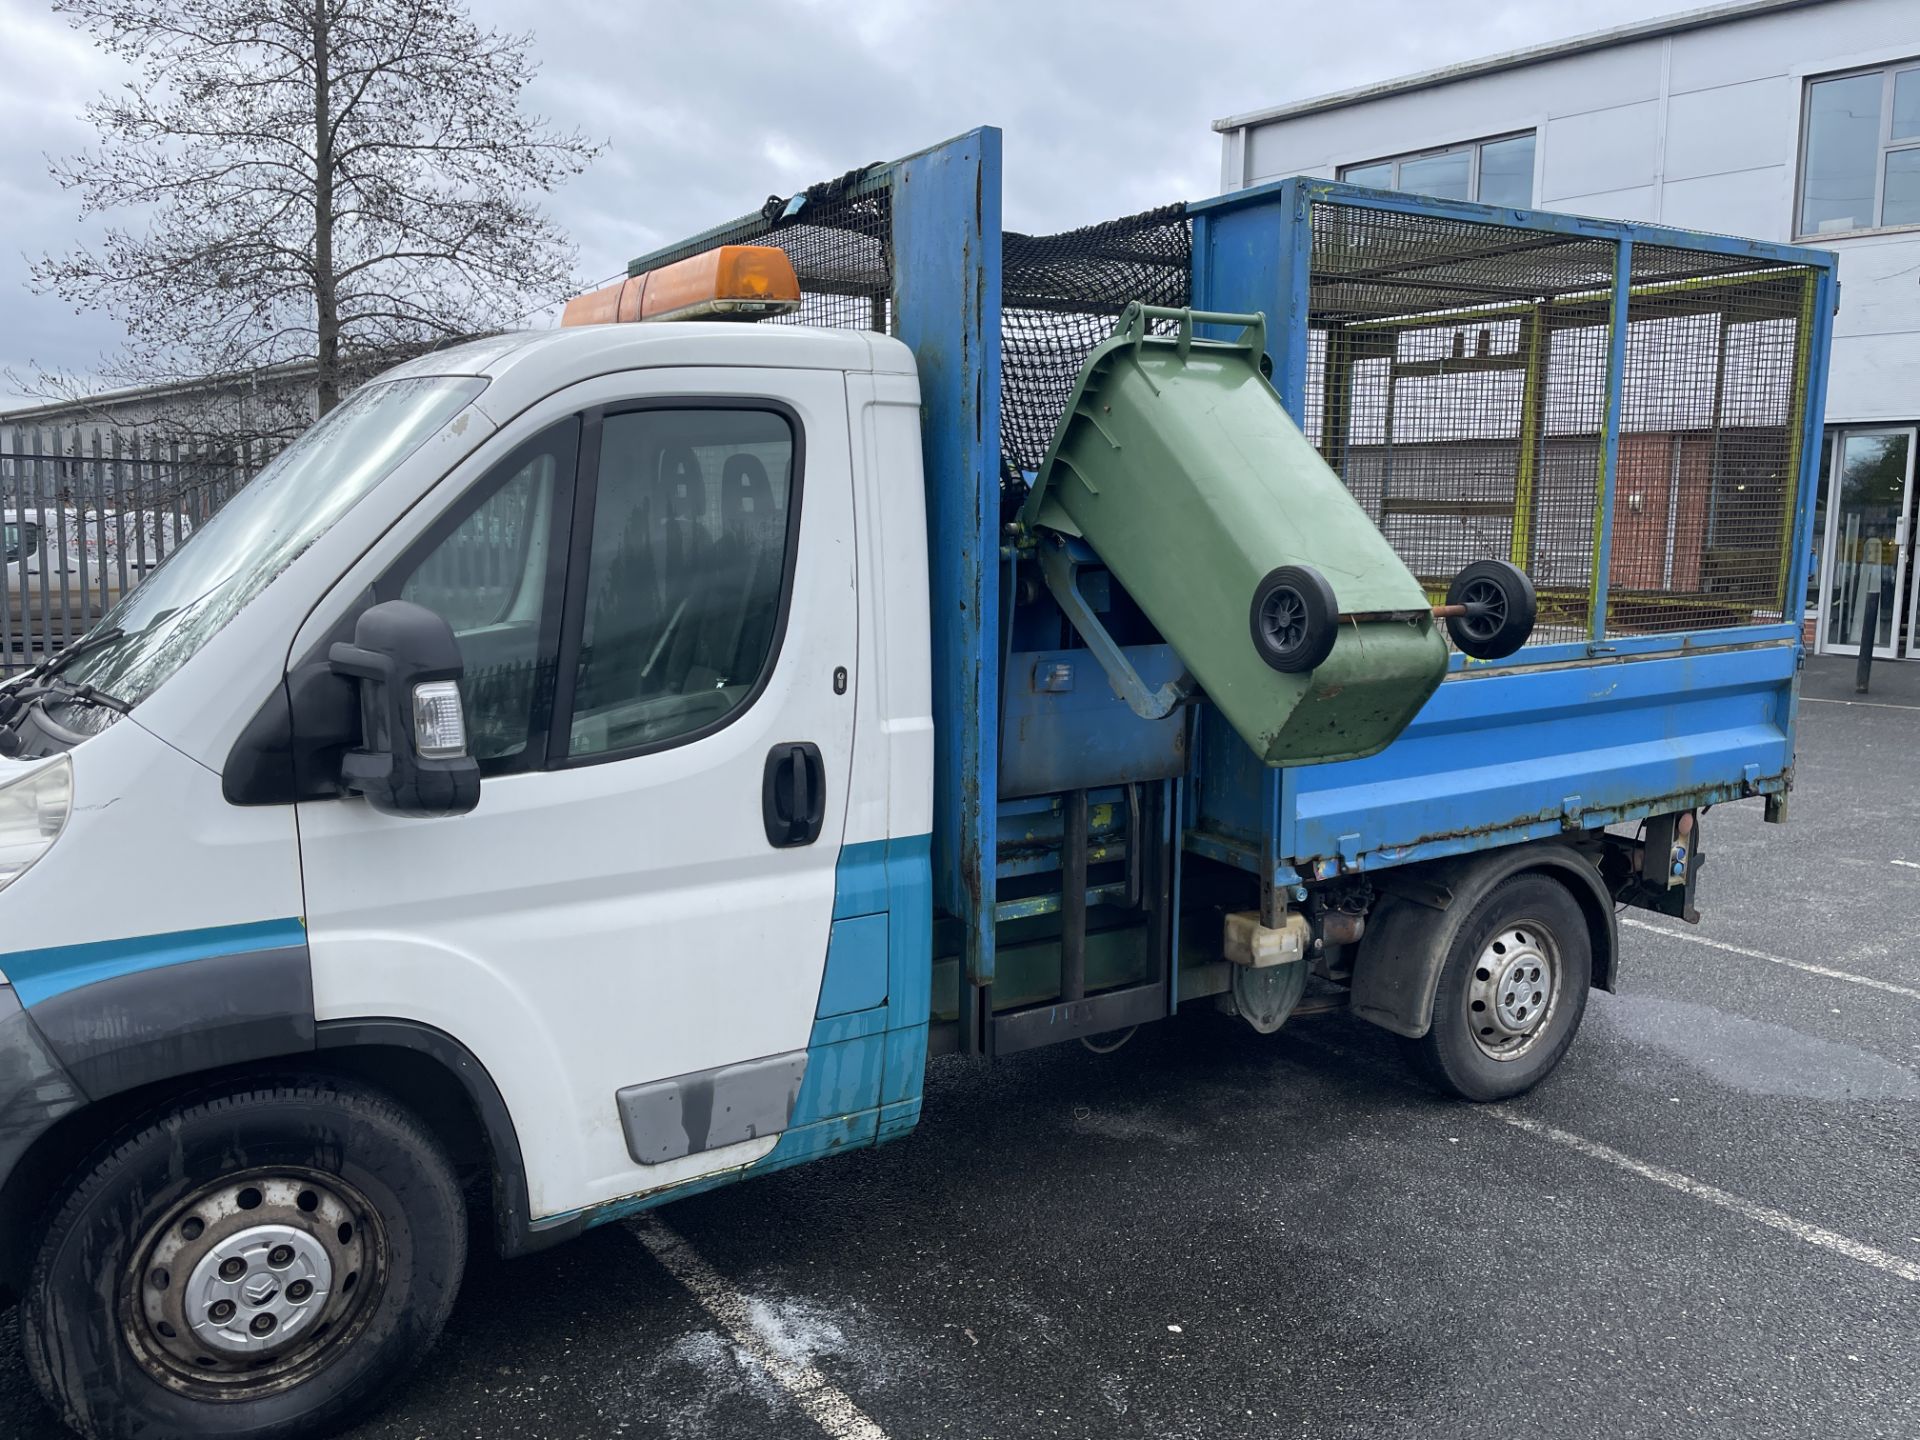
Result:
x=1060 y=296
x=1457 y=380
x=839 y=236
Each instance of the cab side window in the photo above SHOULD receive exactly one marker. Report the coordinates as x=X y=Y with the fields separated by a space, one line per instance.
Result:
x=686 y=576
x=494 y=567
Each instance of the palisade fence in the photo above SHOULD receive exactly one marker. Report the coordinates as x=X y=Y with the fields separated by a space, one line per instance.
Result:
x=88 y=511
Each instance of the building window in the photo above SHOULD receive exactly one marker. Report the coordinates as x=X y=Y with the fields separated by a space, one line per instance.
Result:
x=1860 y=151
x=1494 y=172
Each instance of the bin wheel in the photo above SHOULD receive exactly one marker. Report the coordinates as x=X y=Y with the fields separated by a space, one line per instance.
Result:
x=1500 y=609
x=1295 y=619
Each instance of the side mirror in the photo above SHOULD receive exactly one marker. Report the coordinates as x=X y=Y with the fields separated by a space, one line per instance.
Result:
x=412 y=758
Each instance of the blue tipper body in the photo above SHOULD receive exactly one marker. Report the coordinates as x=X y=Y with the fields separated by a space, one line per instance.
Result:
x=1561 y=737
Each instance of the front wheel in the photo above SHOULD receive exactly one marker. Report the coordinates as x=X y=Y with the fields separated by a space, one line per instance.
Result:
x=259 y=1263
x=1512 y=992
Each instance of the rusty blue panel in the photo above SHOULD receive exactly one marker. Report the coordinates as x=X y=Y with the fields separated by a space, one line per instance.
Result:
x=856 y=973
x=1068 y=729
x=1498 y=758
x=946 y=256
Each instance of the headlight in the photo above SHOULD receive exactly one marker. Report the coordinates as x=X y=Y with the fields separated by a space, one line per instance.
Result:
x=33 y=812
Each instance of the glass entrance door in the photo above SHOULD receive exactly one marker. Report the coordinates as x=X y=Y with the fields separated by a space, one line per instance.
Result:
x=1869 y=541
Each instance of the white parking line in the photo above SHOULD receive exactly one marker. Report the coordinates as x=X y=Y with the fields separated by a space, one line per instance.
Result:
x=829 y=1407
x=1686 y=1185
x=1761 y=1214
x=1910 y=864
x=1868 y=704
x=1827 y=970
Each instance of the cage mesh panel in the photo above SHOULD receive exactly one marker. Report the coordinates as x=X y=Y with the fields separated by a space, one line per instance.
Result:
x=1374 y=264
x=1443 y=333
x=1060 y=296
x=1439 y=353
x=1705 y=481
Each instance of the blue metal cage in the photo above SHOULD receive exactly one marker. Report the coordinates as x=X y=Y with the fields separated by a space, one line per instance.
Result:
x=1539 y=370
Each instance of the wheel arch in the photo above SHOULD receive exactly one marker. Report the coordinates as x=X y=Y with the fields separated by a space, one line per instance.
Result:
x=1397 y=968
x=431 y=1071
x=425 y=1069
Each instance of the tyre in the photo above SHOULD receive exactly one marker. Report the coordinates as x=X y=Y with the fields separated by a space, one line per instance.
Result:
x=1294 y=618
x=1512 y=992
x=259 y=1262
x=1500 y=609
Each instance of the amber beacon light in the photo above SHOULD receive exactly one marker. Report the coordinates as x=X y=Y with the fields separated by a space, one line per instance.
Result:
x=732 y=282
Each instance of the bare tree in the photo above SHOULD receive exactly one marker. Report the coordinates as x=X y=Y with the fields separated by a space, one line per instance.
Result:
x=329 y=185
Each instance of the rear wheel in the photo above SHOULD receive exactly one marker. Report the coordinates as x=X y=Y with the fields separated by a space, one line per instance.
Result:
x=259 y=1263
x=1512 y=992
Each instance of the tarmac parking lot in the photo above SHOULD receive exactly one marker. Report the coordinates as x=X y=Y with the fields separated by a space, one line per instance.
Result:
x=1707 y=1223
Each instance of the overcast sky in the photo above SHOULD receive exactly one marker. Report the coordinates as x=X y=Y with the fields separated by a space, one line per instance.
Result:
x=707 y=108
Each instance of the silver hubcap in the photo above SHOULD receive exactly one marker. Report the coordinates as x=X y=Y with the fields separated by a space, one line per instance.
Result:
x=258 y=1289
x=1512 y=993
x=252 y=1283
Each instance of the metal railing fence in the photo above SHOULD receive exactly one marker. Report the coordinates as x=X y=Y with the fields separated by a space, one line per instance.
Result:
x=86 y=513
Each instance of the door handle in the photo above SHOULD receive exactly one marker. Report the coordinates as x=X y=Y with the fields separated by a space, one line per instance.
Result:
x=793 y=794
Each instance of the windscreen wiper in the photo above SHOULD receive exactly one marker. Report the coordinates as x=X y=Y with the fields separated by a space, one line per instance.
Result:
x=92 y=640
x=87 y=695
x=15 y=704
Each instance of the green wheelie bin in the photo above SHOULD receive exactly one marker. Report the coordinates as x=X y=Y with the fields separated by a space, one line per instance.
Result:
x=1179 y=467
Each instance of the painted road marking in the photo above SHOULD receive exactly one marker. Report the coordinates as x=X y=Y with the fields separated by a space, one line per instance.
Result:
x=1761 y=1214
x=1910 y=864
x=1868 y=704
x=1687 y=1185
x=829 y=1407
x=1828 y=971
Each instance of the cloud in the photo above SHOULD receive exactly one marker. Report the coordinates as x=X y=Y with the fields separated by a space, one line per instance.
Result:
x=708 y=109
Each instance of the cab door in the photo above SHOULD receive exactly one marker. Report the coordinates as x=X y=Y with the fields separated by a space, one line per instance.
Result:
x=652 y=581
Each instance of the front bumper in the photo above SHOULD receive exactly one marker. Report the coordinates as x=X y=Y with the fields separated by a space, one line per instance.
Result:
x=35 y=1089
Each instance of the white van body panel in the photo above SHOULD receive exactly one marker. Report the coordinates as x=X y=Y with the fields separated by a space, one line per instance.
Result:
x=594 y=928
x=893 y=773
x=151 y=848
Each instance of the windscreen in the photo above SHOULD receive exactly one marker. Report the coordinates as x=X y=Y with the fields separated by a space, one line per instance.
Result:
x=259 y=533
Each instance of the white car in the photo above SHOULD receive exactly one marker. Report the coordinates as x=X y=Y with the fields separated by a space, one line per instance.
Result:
x=66 y=566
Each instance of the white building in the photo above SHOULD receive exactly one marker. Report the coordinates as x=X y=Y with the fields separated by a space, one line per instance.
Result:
x=1789 y=120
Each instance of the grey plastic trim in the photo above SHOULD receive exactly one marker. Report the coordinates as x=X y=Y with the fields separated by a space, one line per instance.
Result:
x=149 y=1025
x=34 y=1090
x=705 y=1109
